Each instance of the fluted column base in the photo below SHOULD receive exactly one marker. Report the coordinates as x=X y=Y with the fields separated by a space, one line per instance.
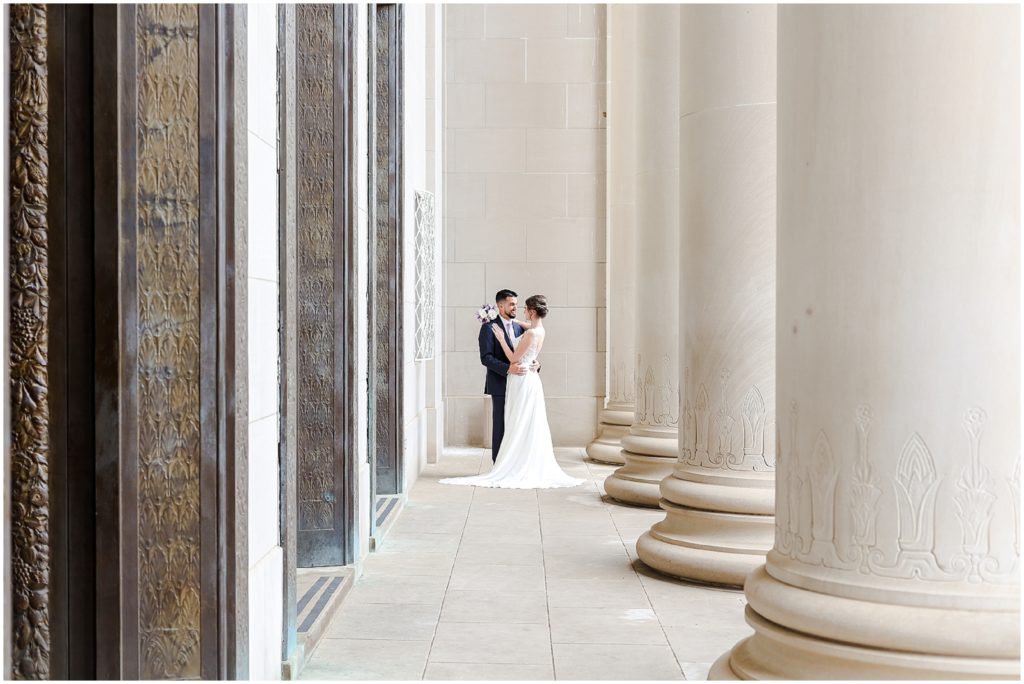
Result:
x=607 y=448
x=707 y=546
x=872 y=640
x=650 y=457
x=718 y=526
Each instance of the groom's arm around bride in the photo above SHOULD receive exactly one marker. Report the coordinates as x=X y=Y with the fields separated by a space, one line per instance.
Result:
x=493 y=358
x=498 y=368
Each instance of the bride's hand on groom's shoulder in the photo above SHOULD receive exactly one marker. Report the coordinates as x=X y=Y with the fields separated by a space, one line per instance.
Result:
x=496 y=329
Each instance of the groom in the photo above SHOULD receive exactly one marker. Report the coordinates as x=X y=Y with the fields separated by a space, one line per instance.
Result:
x=498 y=368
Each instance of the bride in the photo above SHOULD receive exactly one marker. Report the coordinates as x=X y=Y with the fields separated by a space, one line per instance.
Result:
x=526 y=459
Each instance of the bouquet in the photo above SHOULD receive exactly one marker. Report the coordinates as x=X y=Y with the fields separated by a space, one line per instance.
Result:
x=486 y=313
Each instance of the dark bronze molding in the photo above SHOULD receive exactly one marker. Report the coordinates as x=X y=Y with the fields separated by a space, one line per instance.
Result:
x=287 y=338
x=233 y=283
x=71 y=383
x=325 y=159
x=114 y=305
x=29 y=339
x=346 y=184
x=387 y=229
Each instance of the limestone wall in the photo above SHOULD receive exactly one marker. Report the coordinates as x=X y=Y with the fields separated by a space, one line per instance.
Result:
x=524 y=179
x=265 y=555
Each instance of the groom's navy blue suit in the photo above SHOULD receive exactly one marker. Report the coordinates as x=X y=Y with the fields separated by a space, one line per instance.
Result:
x=493 y=356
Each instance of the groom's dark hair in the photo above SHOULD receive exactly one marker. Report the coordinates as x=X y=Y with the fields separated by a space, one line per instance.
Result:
x=503 y=295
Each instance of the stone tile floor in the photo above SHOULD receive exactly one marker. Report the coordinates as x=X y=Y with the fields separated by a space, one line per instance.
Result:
x=498 y=584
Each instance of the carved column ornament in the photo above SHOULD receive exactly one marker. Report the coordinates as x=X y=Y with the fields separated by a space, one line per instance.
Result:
x=720 y=497
x=29 y=307
x=896 y=552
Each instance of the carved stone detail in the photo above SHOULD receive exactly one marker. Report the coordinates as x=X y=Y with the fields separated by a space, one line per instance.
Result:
x=657 y=393
x=29 y=310
x=1013 y=483
x=975 y=497
x=864 y=494
x=736 y=443
x=622 y=389
x=919 y=488
x=426 y=271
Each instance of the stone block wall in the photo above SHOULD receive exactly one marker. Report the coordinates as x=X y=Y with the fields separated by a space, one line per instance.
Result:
x=524 y=206
x=265 y=553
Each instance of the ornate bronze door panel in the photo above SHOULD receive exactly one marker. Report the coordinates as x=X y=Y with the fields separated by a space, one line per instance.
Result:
x=324 y=282
x=386 y=300
x=130 y=439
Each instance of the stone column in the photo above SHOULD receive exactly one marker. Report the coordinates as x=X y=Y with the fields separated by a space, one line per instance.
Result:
x=897 y=548
x=720 y=498
x=651 y=447
x=617 y=415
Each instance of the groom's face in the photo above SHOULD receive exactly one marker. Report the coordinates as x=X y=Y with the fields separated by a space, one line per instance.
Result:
x=507 y=307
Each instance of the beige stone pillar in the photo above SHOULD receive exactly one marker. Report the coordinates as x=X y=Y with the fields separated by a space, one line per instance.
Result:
x=897 y=552
x=651 y=447
x=720 y=498
x=617 y=415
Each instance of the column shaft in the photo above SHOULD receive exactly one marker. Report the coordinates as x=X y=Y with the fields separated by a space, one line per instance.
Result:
x=617 y=415
x=651 y=447
x=897 y=544
x=719 y=498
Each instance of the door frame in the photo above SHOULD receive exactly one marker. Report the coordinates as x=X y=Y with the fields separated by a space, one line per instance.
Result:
x=386 y=272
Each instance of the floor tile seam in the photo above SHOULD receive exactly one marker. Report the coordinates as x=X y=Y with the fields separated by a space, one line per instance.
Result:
x=675 y=656
x=371 y=573
x=389 y=640
x=479 y=662
x=642 y=586
x=608 y=511
x=616 y=643
x=393 y=603
x=547 y=596
x=380 y=605
x=474 y=662
x=433 y=636
x=489 y=622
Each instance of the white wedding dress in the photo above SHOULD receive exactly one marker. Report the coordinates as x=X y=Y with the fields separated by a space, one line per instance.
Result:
x=526 y=459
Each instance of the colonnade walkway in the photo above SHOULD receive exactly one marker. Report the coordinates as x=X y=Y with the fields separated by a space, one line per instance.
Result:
x=497 y=584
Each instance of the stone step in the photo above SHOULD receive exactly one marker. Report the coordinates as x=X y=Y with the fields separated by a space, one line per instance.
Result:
x=386 y=511
x=320 y=593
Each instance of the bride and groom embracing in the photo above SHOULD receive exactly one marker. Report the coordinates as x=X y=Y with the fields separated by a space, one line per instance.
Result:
x=520 y=439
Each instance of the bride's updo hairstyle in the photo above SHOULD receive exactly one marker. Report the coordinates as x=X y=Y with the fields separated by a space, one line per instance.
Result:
x=538 y=304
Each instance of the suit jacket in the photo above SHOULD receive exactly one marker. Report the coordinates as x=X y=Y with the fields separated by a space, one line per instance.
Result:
x=493 y=356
